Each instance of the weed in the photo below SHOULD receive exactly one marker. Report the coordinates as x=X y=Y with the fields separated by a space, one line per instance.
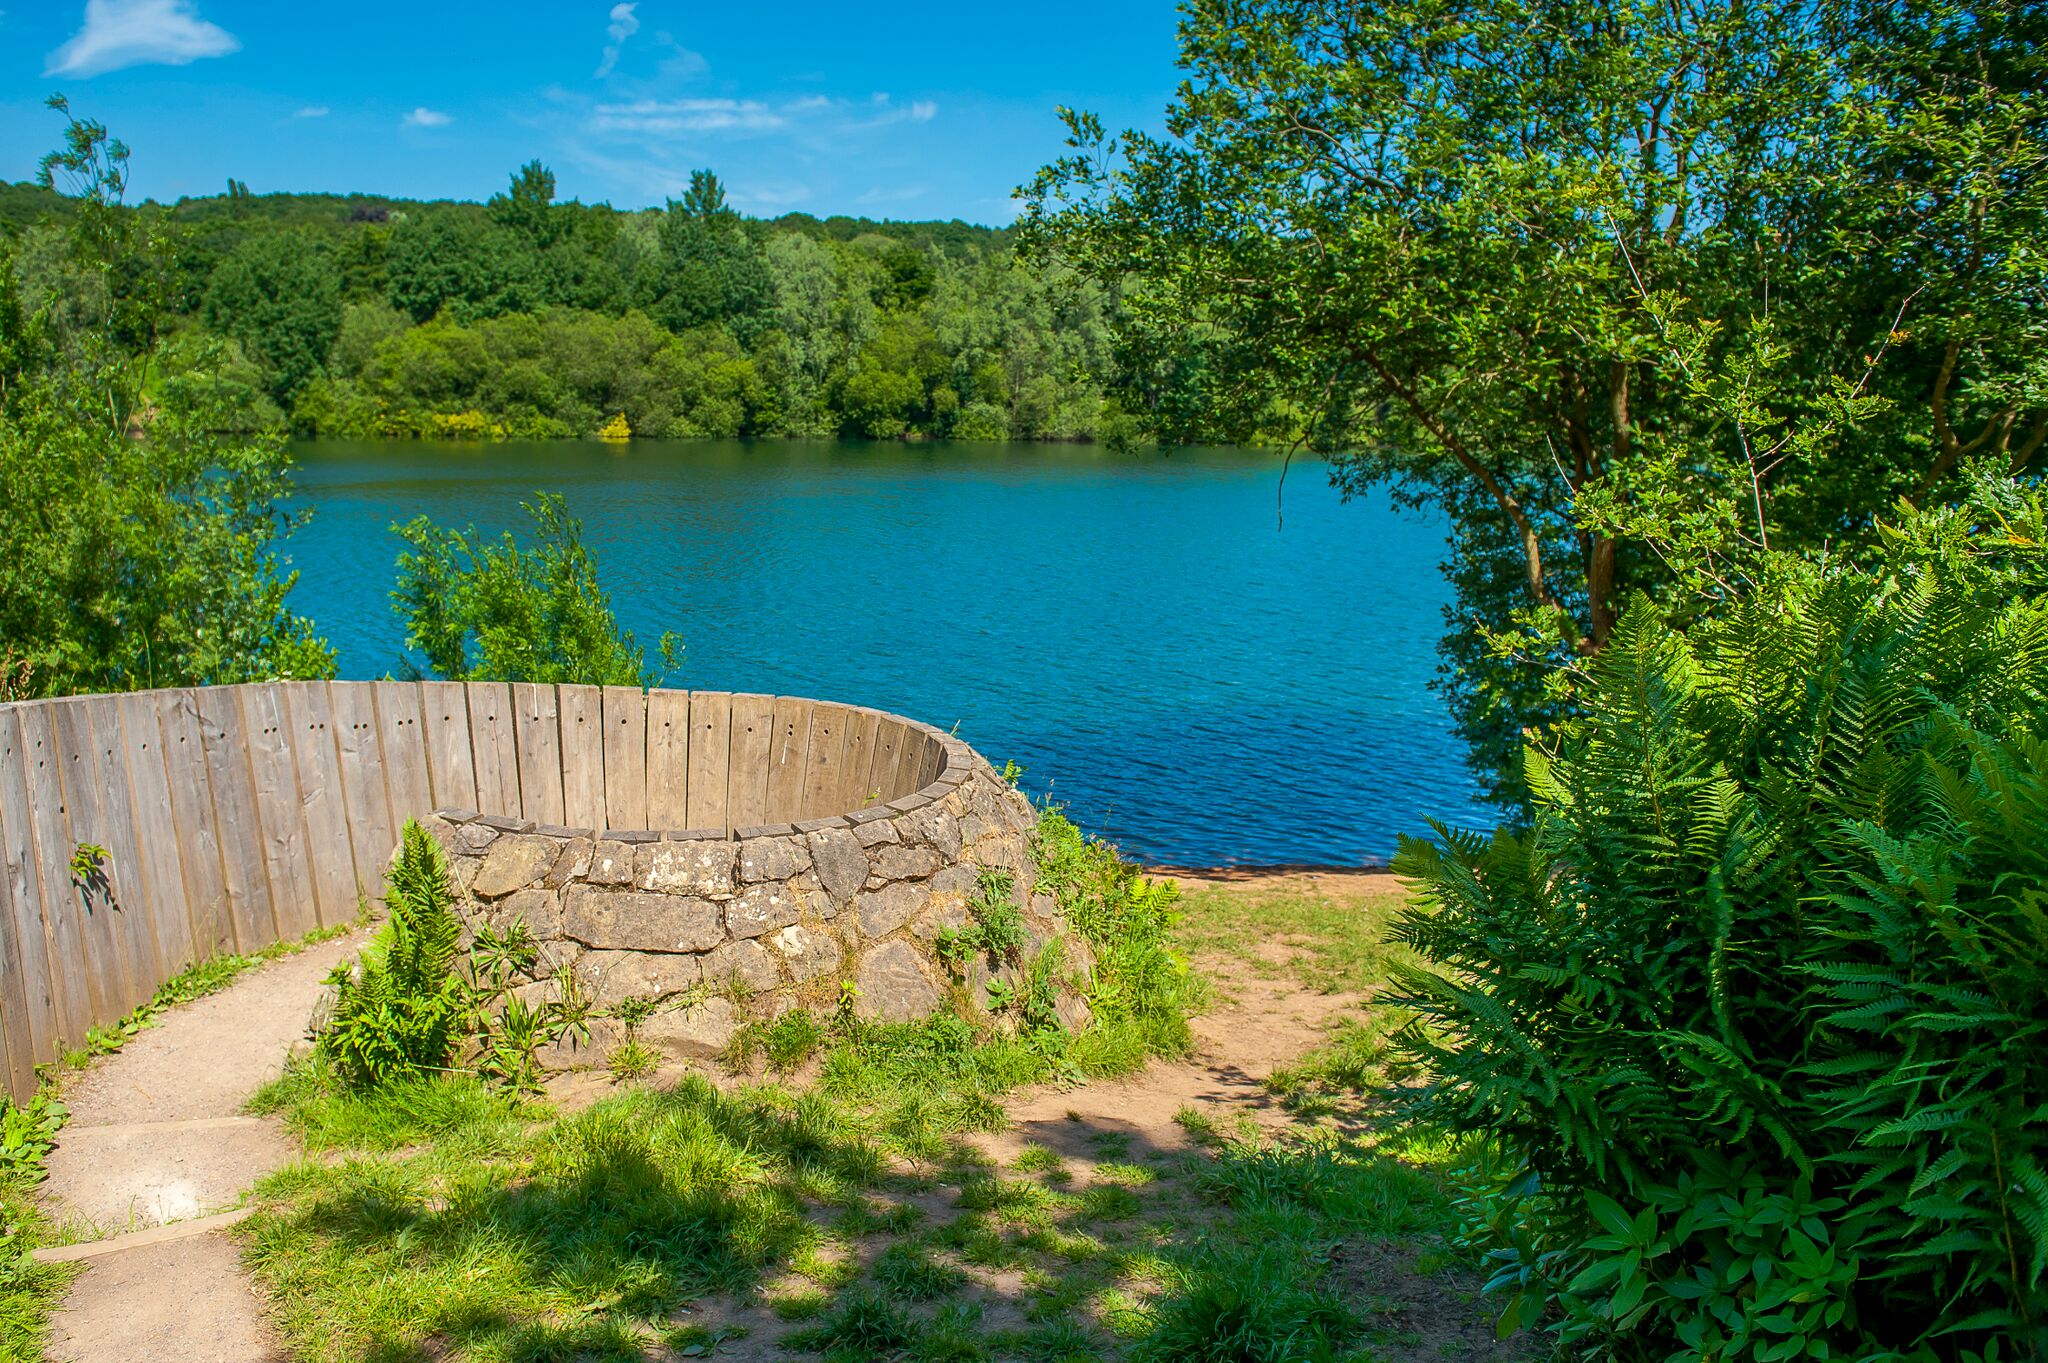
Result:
x=907 y=1270
x=1036 y=1159
x=631 y=1060
x=864 y=1325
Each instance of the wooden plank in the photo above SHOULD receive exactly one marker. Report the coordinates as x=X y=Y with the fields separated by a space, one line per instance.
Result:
x=668 y=759
x=223 y=732
x=156 y=835
x=18 y=1054
x=886 y=775
x=789 y=742
x=625 y=757
x=856 y=783
x=110 y=959
x=207 y=903
x=451 y=767
x=359 y=748
x=49 y=846
x=129 y=915
x=323 y=806
x=405 y=751
x=494 y=748
x=825 y=761
x=710 y=757
x=33 y=1035
x=582 y=716
x=284 y=841
x=537 y=732
x=746 y=782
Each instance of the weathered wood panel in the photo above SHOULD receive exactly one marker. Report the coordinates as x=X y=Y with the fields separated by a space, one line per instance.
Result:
x=19 y=1039
x=85 y=975
x=856 y=784
x=405 y=751
x=824 y=762
x=359 y=750
x=668 y=759
x=625 y=757
x=128 y=913
x=451 y=767
x=710 y=753
x=243 y=864
x=538 y=735
x=886 y=776
x=42 y=1023
x=162 y=879
x=293 y=905
x=582 y=713
x=753 y=739
x=494 y=747
x=110 y=959
x=195 y=824
x=323 y=804
x=788 y=745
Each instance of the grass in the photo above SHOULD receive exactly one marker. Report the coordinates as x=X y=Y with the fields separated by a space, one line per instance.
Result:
x=1337 y=942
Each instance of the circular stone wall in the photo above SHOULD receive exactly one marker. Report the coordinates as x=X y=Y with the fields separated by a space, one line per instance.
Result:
x=717 y=928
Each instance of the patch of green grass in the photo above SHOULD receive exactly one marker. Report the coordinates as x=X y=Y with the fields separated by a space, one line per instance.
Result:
x=863 y=1325
x=1199 y=1125
x=1128 y=1175
x=631 y=1060
x=1359 y=1059
x=1339 y=942
x=909 y=1271
x=1036 y=1159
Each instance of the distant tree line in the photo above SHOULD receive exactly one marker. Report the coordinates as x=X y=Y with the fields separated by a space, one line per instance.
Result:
x=527 y=316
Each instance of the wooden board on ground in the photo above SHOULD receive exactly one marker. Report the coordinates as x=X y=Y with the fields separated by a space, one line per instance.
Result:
x=537 y=734
x=668 y=759
x=582 y=715
x=710 y=756
x=625 y=757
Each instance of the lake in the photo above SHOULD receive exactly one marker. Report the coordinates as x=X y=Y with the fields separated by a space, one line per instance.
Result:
x=1190 y=675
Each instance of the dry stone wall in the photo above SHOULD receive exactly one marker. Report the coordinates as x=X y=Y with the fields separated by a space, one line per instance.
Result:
x=715 y=930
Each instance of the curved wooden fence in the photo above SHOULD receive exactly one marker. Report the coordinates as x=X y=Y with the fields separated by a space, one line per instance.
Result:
x=233 y=817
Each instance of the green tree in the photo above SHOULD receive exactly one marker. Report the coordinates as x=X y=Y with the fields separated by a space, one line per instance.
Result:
x=1586 y=277
x=711 y=269
x=483 y=611
x=279 y=295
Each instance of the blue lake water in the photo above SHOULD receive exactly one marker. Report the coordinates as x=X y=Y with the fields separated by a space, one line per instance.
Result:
x=1191 y=677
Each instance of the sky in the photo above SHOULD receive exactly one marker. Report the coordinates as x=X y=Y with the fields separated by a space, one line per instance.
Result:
x=909 y=110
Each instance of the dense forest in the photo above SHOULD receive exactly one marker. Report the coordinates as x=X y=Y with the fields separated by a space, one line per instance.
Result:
x=355 y=315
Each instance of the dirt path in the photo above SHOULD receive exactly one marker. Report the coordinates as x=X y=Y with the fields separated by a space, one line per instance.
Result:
x=155 y=1157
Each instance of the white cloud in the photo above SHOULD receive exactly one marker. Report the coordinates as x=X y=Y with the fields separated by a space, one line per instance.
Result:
x=120 y=33
x=667 y=117
x=624 y=25
x=312 y=111
x=424 y=117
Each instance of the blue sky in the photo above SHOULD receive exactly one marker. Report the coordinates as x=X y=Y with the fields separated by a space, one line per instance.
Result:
x=911 y=110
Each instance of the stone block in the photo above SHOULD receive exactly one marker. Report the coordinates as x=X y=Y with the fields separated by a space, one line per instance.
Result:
x=540 y=910
x=811 y=952
x=611 y=863
x=895 y=984
x=945 y=916
x=557 y=830
x=632 y=837
x=875 y=834
x=514 y=862
x=506 y=823
x=626 y=920
x=572 y=862
x=773 y=858
x=695 y=835
x=841 y=864
x=887 y=909
x=748 y=960
x=469 y=839
x=813 y=825
x=612 y=977
x=764 y=830
x=701 y=1030
x=897 y=862
x=569 y=1053
x=704 y=869
x=760 y=908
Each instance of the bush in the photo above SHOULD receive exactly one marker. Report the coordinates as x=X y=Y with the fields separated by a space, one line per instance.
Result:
x=399 y=1011
x=1756 y=1011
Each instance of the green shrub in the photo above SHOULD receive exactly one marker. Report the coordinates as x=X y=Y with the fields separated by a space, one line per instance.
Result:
x=399 y=1011
x=1756 y=1011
